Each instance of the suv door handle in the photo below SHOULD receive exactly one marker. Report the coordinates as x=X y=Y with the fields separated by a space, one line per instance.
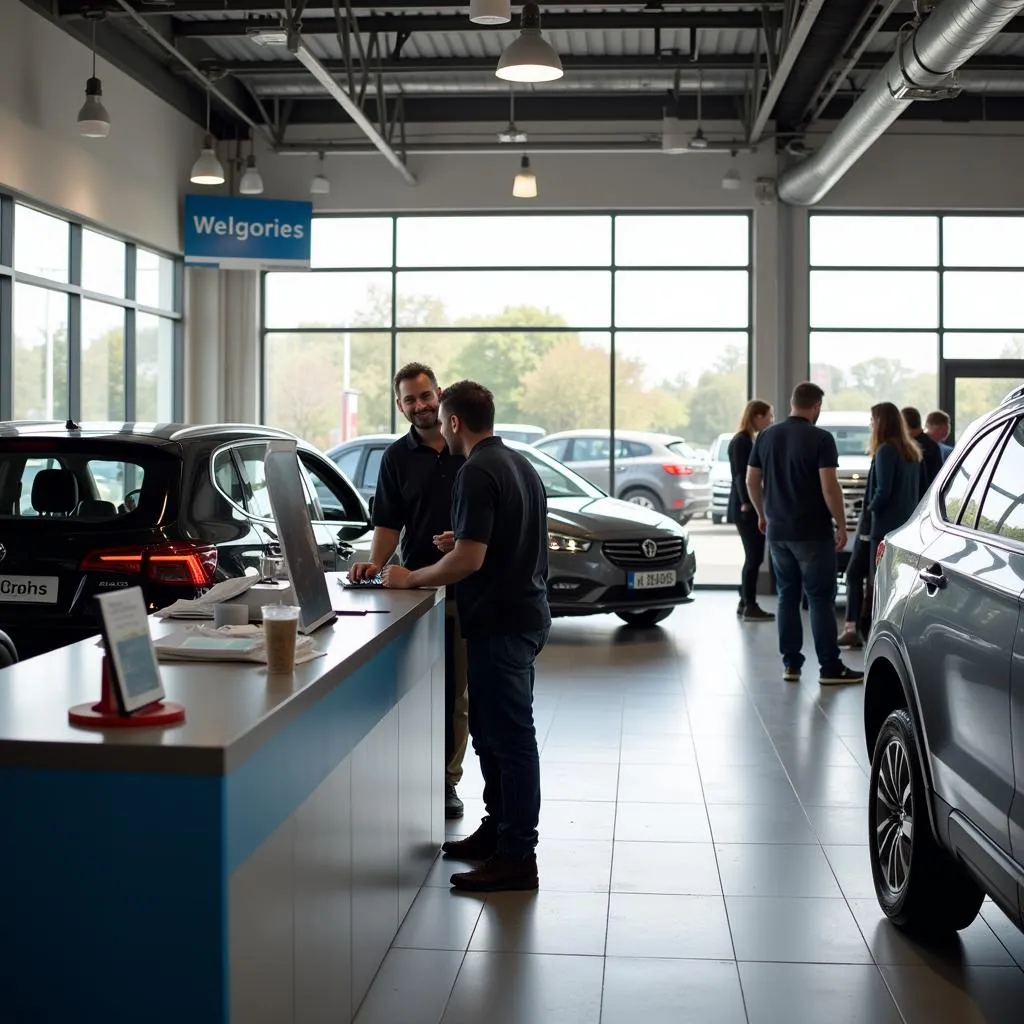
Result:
x=933 y=577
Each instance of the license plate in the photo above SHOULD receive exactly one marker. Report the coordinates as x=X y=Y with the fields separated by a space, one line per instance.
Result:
x=28 y=589
x=651 y=580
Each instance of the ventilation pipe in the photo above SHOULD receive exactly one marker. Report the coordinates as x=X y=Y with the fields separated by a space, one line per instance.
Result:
x=950 y=36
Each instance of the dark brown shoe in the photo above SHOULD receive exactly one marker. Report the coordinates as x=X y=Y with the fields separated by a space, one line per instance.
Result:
x=499 y=874
x=481 y=845
x=755 y=613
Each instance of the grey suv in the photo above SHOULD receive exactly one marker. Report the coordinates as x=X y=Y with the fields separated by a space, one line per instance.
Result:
x=605 y=555
x=944 y=695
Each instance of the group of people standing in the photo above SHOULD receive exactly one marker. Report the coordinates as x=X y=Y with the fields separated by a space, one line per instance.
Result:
x=786 y=492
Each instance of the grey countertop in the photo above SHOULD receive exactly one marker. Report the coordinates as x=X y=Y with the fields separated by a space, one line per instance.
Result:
x=231 y=707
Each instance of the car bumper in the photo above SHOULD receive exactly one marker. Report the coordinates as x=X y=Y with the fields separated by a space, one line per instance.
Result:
x=593 y=593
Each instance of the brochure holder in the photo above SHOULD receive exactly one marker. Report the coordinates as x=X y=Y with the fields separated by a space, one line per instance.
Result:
x=107 y=715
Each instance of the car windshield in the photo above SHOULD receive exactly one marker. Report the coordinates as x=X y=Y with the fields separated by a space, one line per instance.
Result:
x=559 y=482
x=722 y=450
x=683 y=450
x=851 y=440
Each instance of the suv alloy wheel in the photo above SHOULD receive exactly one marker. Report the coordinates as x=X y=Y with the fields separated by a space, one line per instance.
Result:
x=918 y=885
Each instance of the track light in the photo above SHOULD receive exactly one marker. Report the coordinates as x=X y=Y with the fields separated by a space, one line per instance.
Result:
x=252 y=181
x=731 y=180
x=93 y=119
x=525 y=184
x=320 y=186
x=529 y=57
x=207 y=170
x=490 y=12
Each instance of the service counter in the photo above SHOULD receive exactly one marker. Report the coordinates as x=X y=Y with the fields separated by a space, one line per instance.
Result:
x=252 y=864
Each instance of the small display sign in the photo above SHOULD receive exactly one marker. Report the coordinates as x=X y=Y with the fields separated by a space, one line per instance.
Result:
x=133 y=667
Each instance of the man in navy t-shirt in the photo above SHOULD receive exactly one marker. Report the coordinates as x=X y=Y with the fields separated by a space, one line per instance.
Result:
x=497 y=557
x=792 y=482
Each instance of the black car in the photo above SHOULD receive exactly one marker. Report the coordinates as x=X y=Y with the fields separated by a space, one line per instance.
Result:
x=170 y=508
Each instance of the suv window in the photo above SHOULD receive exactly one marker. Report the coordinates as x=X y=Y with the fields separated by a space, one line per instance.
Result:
x=958 y=503
x=633 y=450
x=1002 y=511
x=254 y=479
x=556 y=449
x=593 y=449
x=339 y=501
x=348 y=462
x=372 y=468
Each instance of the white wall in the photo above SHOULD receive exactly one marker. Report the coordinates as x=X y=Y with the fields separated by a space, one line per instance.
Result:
x=132 y=181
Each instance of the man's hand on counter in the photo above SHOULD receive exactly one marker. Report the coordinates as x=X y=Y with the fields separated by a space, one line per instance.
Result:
x=397 y=577
x=363 y=571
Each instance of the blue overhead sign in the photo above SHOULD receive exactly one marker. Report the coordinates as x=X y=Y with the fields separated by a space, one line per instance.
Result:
x=243 y=233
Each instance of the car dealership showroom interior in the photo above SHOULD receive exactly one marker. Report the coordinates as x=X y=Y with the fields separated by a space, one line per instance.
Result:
x=508 y=511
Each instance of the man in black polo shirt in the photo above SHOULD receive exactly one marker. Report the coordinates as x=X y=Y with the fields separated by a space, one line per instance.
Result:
x=414 y=495
x=792 y=482
x=498 y=560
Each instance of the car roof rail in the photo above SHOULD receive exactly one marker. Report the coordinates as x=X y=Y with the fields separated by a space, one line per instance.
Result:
x=1017 y=392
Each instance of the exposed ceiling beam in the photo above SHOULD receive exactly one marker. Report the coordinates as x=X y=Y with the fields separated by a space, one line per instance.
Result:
x=71 y=8
x=787 y=59
x=572 y=21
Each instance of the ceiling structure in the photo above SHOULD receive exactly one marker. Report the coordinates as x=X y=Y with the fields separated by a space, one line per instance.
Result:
x=777 y=68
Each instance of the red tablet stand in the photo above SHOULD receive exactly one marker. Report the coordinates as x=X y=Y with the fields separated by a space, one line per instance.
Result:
x=107 y=715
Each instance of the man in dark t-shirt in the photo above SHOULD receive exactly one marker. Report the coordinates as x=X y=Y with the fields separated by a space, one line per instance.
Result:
x=931 y=453
x=792 y=482
x=412 y=505
x=497 y=557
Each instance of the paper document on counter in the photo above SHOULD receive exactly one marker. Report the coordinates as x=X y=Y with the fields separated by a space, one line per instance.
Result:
x=229 y=643
x=202 y=607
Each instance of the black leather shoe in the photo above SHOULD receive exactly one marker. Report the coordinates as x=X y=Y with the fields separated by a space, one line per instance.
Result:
x=481 y=845
x=499 y=874
x=453 y=806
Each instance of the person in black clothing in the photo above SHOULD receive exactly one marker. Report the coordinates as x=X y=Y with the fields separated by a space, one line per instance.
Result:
x=497 y=557
x=931 y=453
x=756 y=416
x=413 y=504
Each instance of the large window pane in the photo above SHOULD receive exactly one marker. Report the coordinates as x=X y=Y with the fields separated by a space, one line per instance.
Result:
x=154 y=280
x=504 y=298
x=975 y=299
x=307 y=378
x=102 y=264
x=858 y=241
x=957 y=345
x=154 y=369
x=328 y=300
x=525 y=241
x=41 y=244
x=351 y=242
x=858 y=370
x=555 y=380
x=874 y=299
x=103 y=368
x=682 y=241
x=694 y=384
x=681 y=298
x=983 y=241
x=40 y=353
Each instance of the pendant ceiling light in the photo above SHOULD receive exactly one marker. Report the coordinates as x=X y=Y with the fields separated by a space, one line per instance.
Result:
x=490 y=12
x=207 y=170
x=529 y=57
x=525 y=184
x=512 y=132
x=252 y=181
x=93 y=119
x=320 y=186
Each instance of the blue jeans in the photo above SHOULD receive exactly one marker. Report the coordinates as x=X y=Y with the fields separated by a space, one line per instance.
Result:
x=806 y=566
x=501 y=676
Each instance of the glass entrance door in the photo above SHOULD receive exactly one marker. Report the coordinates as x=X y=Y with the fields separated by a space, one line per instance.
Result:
x=970 y=388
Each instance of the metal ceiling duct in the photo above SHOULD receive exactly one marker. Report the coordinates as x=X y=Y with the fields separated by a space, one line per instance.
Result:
x=951 y=35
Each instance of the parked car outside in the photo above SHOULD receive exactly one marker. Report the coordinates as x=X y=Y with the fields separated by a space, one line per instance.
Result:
x=605 y=555
x=660 y=472
x=527 y=433
x=944 y=690
x=852 y=431
x=170 y=508
x=720 y=476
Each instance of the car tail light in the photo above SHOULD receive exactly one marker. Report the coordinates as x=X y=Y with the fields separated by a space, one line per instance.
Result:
x=879 y=551
x=176 y=563
x=677 y=469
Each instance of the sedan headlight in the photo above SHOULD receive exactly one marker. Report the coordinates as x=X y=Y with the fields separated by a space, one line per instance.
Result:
x=571 y=545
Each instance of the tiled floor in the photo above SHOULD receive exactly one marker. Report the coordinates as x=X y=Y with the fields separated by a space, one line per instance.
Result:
x=701 y=859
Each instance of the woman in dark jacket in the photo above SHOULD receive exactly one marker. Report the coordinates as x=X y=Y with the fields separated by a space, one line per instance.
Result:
x=756 y=416
x=893 y=491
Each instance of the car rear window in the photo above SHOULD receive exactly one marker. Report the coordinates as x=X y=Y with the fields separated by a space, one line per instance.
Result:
x=78 y=483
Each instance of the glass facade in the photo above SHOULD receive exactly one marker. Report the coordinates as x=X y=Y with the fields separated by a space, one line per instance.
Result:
x=90 y=325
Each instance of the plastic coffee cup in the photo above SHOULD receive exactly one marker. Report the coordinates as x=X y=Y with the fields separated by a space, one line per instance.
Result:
x=230 y=615
x=280 y=625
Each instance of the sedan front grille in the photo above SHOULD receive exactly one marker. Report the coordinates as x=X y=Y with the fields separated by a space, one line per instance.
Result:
x=853 y=498
x=629 y=554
